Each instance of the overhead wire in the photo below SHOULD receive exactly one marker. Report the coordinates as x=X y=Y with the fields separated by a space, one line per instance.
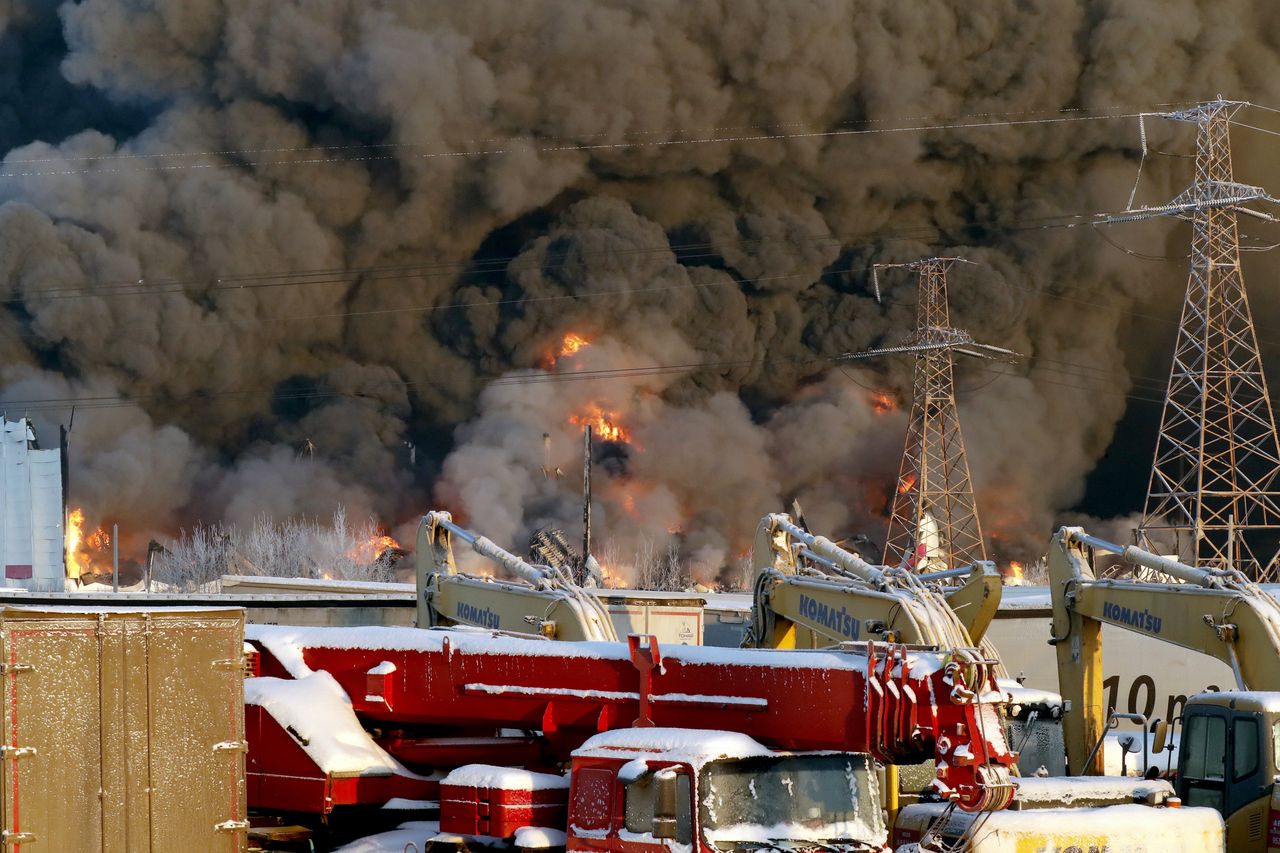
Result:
x=534 y=376
x=490 y=265
x=737 y=135
x=1101 y=112
x=1064 y=220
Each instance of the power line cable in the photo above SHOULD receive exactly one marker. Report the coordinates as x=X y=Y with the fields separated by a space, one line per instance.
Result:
x=1100 y=112
x=564 y=146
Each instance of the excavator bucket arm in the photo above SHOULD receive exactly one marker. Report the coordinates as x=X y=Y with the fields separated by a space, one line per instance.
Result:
x=1216 y=612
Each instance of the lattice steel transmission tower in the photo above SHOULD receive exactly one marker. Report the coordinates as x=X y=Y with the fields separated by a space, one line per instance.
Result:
x=1212 y=493
x=933 y=524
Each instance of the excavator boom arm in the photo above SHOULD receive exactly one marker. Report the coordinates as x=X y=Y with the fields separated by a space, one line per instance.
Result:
x=1210 y=612
x=542 y=602
x=795 y=606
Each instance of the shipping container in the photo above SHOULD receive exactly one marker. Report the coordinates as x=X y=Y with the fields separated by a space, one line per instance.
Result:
x=123 y=731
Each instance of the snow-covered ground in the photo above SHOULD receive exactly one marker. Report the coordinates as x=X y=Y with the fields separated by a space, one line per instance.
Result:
x=415 y=832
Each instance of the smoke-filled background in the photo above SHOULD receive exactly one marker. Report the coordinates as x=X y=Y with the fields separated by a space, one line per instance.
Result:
x=255 y=241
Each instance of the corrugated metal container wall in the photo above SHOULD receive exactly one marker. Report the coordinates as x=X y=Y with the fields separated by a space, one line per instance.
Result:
x=147 y=708
x=31 y=522
x=48 y=531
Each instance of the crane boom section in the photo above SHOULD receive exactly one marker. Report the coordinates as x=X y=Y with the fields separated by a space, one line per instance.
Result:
x=901 y=706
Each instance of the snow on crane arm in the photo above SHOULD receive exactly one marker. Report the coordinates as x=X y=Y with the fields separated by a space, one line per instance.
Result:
x=317 y=712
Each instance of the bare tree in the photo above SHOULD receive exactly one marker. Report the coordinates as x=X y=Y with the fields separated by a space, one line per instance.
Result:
x=196 y=560
x=661 y=570
x=295 y=547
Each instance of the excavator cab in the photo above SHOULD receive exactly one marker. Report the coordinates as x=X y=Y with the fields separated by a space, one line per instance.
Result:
x=1227 y=761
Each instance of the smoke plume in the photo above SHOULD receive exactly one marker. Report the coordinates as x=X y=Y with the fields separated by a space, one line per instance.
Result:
x=289 y=255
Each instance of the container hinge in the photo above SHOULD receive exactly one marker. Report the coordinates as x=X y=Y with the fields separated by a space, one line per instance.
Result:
x=15 y=668
x=232 y=826
x=231 y=746
x=7 y=837
x=7 y=752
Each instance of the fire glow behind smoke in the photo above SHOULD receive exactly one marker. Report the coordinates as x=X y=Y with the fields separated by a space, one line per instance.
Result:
x=357 y=303
x=604 y=424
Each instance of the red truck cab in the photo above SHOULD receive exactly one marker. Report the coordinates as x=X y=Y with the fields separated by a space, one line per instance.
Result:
x=649 y=789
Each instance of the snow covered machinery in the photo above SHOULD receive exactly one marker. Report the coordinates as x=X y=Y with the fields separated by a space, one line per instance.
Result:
x=810 y=593
x=637 y=724
x=540 y=599
x=1229 y=754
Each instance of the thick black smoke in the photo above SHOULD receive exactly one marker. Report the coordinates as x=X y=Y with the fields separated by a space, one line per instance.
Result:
x=183 y=173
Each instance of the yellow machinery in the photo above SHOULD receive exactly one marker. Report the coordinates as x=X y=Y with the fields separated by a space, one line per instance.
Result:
x=810 y=593
x=540 y=600
x=1227 y=756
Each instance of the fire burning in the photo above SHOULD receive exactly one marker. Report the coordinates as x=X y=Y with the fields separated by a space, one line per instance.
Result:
x=571 y=344
x=1014 y=576
x=907 y=483
x=611 y=578
x=604 y=424
x=370 y=550
x=882 y=402
x=86 y=555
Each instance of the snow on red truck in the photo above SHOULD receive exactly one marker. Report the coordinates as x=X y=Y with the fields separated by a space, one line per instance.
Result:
x=695 y=746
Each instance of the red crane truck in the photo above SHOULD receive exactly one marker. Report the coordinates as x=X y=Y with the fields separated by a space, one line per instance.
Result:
x=696 y=746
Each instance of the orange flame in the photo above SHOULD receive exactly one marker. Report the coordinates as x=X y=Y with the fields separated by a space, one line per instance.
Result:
x=611 y=578
x=75 y=525
x=83 y=552
x=604 y=424
x=372 y=548
x=570 y=344
x=906 y=484
x=1015 y=573
x=883 y=402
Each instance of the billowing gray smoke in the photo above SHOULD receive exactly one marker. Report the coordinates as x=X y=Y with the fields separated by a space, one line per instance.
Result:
x=248 y=218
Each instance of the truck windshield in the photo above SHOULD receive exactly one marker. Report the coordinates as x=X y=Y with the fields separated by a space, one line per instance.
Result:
x=794 y=798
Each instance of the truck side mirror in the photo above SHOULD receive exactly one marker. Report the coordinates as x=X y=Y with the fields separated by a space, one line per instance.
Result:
x=1161 y=740
x=664 y=803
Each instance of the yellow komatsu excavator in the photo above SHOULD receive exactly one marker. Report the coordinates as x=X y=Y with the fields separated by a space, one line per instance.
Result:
x=542 y=600
x=809 y=593
x=1227 y=757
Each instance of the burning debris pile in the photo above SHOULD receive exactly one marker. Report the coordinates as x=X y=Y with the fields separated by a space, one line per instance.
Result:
x=374 y=272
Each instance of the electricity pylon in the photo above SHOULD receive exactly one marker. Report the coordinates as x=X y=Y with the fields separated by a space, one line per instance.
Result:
x=934 y=521
x=1212 y=493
